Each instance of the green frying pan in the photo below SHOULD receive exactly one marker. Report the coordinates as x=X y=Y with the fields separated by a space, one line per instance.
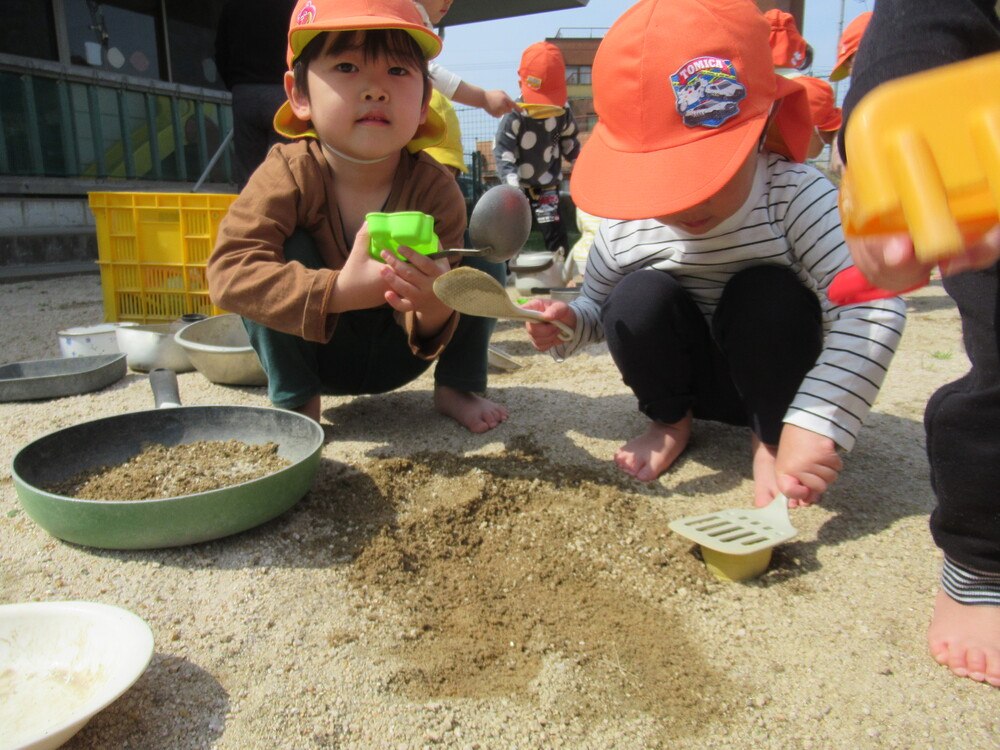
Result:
x=172 y=521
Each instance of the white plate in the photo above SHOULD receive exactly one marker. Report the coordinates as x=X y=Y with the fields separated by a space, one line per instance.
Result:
x=61 y=663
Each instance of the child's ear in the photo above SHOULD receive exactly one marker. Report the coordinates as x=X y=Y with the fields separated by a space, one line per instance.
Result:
x=296 y=98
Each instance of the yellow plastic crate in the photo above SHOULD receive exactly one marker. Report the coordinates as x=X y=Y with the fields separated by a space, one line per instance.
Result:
x=152 y=250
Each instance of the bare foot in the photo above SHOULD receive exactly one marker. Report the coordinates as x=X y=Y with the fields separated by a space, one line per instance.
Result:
x=473 y=412
x=765 y=483
x=310 y=408
x=966 y=639
x=647 y=456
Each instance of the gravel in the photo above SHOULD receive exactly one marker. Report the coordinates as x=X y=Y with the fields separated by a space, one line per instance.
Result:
x=441 y=589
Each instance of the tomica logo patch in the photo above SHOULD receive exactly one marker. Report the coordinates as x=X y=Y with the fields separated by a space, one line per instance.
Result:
x=708 y=91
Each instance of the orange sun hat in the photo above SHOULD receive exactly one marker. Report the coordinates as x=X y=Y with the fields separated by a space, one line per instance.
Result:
x=682 y=90
x=848 y=45
x=788 y=48
x=826 y=115
x=542 y=75
x=310 y=18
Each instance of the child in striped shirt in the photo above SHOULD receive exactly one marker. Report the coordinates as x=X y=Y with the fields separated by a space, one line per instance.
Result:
x=716 y=307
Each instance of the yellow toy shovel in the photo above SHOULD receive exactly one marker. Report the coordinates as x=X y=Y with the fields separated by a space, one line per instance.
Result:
x=923 y=156
x=736 y=544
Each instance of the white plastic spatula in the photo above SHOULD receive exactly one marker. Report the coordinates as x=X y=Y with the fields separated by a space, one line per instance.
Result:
x=736 y=544
x=739 y=531
x=473 y=292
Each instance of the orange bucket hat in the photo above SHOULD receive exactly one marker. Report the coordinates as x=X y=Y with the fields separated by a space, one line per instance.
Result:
x=543 y=75
x=788 y=48
x=311 y=18
x=826 y=115
x=683 y=90
x=849 y=41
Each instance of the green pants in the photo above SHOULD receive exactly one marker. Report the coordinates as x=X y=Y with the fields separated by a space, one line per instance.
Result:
x=368 y=352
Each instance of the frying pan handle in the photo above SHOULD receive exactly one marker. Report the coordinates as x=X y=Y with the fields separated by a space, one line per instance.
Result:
x=164 y=385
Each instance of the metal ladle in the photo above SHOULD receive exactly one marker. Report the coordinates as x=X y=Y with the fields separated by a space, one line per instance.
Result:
x=499 y=226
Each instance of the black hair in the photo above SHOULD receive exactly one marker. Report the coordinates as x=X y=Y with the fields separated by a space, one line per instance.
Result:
x=395 y=44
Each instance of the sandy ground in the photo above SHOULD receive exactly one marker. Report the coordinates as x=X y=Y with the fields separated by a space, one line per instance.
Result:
x=512 y=590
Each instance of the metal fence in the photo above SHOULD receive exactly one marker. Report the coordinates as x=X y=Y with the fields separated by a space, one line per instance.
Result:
x=55 y=122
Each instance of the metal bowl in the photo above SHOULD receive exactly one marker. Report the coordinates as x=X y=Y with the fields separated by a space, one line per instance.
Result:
x=54 y=378
x=150 y=346
x=219 y=348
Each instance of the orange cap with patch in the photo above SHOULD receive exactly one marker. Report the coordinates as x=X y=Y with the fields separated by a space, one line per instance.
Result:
x=683 y=90
x=788 y=48
x=313 y=17
x=543 y=75
x=848 y=45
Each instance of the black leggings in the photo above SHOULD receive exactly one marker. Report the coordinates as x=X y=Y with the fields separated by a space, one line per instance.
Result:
x=962 y=420
x=765 y=335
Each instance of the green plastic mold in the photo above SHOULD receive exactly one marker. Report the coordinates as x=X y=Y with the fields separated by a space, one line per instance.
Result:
x=410 y=228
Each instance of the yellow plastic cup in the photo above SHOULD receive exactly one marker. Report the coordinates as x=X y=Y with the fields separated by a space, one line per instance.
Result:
x=736 y=568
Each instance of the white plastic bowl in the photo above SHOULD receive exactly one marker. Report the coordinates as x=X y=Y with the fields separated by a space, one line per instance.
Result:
x=86 y=341
x=62 y=662
x=219 y=348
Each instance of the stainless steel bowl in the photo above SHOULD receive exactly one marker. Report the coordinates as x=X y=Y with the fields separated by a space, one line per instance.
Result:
x=219 y=348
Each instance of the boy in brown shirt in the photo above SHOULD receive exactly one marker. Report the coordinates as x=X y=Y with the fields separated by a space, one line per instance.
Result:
x=292 y=256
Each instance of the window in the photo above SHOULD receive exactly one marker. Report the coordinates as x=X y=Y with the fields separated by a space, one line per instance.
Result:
x=191 y=36
x=578 y=75
x=119 y=36
x=27 y=29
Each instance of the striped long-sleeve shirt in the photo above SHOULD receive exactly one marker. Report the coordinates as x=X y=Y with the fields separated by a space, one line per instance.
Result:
x=790 y=219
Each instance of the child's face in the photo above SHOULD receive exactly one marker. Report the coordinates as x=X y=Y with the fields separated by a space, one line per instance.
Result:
x=436 y=9
x=705 y=216
x=364 y=108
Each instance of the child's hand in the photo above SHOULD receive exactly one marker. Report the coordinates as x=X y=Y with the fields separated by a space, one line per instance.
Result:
x=359 y=284
x=411 y=287
x=498 y=103
x=888 y=261
x=806 y=465
x=545 y=335
x=976 y=257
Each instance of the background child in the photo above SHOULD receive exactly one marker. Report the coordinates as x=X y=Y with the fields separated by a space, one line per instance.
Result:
x=250 y=55
x=789 y=51
x=825 y=114
x=448 y=152
x=716 y=307
x=529 y=150
x=962 y=418
x=292 y=256
x=495 y=101
x=587 y=224
x=847 y=47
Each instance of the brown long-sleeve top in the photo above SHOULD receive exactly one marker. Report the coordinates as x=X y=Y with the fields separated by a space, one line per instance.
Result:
x=293 y=189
